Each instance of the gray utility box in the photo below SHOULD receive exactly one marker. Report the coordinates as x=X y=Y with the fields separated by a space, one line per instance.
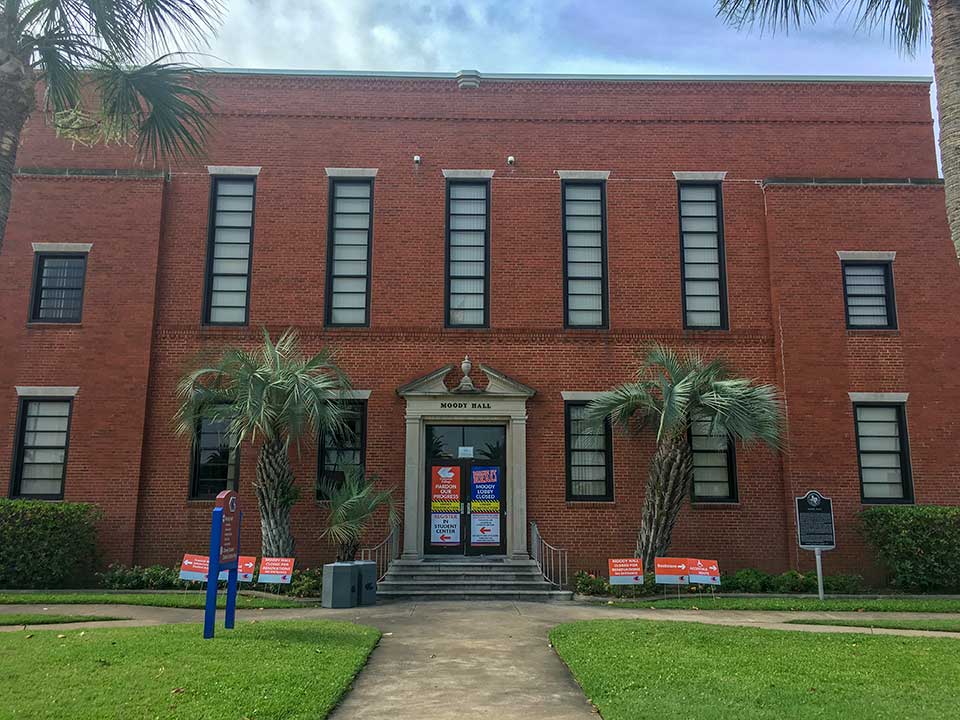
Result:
x=366 y=582
x=340 y=582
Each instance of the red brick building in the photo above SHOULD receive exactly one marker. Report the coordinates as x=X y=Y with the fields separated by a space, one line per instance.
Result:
x=545 y=226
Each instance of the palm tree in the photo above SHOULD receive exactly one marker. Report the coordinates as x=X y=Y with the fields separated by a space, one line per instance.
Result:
x=93 y=59
x=668 y=394
x=353 y=501
x=907 y=23
x=276 y=395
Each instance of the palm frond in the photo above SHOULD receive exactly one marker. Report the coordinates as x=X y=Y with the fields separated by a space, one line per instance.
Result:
x=744 y=410
x=171 y=24
x=272 y=392
x=773 y=15
x=905 y=23
x=630 y=401
x=160 y=103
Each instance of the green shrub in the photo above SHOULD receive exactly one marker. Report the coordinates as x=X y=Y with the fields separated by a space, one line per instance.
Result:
x=154 y=577
x=306 y=583
x=585 y=583
x=47 y=545
x=842 y=584
x=918 y=544
x=795 y=582
x=747 y=580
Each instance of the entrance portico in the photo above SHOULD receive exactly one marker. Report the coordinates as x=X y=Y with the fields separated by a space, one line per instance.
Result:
x=503 y=403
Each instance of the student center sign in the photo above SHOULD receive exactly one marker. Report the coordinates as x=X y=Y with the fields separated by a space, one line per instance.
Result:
x=546 y=226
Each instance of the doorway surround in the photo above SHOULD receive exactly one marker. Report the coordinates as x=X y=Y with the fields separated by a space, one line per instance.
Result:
x=430 y=402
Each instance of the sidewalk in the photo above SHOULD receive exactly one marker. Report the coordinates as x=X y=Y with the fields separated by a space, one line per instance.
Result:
x=438 y=659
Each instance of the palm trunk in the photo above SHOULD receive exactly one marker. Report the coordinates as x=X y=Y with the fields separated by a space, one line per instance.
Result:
x=276 y=494
x=347 y=552
x=946 y=67
x=671 y=472
x=17 y=98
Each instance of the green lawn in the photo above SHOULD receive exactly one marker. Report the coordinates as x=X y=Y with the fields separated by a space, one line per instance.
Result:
x=940 y=624
x=172 y=599
x=42 y=619
x=936 y=605
x=636 y=670
x=259 y=671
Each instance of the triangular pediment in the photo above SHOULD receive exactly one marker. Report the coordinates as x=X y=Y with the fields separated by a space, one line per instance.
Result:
x=434 y=385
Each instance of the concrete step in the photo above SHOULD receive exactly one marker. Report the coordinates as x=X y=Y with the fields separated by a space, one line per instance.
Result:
x=528 y=595
x=412 y=587
x=462 y=563
x=454 y=576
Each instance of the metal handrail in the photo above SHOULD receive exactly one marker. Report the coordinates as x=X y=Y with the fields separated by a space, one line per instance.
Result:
x=551 y=560
x=384 y=553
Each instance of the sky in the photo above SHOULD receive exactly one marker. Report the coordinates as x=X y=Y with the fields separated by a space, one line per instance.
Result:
x=539 y=36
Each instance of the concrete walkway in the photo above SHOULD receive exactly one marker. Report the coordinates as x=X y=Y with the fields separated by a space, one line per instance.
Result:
x=438 y=659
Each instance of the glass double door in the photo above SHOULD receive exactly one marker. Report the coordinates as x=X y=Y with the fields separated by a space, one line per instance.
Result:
x=465 y=490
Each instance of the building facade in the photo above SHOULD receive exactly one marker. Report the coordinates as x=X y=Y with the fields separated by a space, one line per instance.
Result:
x=546 y=227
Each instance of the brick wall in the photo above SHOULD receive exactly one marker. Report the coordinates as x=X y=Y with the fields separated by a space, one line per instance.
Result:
x=783 y=272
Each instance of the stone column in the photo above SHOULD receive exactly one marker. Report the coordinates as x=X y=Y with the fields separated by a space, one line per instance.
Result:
x=412 y=493
x=518 y=488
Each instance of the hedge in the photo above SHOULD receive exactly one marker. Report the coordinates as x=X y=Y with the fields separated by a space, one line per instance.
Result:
x=304 y=583
x=918 y=544
x=47 y=545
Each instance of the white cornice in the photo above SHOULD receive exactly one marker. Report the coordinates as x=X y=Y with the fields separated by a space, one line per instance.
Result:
x=62 y=247
x=583 y=174
x=46 y=391
x=245 y=170
x=468 y=174
x=878 y=397
x=351 y=172
x=886 y=256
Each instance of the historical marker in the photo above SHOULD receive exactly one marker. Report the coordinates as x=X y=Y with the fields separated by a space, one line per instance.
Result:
x=815 y=528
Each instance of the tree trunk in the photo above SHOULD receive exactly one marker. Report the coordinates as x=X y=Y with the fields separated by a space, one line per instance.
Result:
x=276 y=494
x=671 y=472
x=17 y=99
x=347 y=552
x=945 y=16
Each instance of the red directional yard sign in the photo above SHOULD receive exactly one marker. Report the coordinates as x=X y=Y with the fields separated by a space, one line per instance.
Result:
x=705 y=572
x=194 y=567
x=245 y=565
x=671 y=571
x=276 y=570
x=625 y=571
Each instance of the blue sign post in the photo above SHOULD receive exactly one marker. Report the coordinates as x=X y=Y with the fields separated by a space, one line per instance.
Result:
x=224 y=555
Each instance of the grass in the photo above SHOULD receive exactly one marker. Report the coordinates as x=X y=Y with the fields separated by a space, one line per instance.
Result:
x=260 y=670
x=172 y=600
x=634 y=669
x=938 y=624
x=43 y=619
x=934 y=605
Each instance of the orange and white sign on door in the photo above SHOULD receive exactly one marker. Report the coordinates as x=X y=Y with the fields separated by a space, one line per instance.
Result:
x=705 y=572
x=625 y=571
x=445 y=487
x=671 y=571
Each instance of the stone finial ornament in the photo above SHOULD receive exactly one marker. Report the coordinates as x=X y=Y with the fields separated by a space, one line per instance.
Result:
x=466 y=384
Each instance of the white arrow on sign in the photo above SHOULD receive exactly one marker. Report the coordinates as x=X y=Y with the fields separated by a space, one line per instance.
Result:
x=713 y=567
x=682 y=566
x=188 y=562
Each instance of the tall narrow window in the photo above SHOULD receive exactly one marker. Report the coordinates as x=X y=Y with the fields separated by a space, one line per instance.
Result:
x=228 y=254
x=883 y=452
x=216 y=460
x=468 y=247
x=58 y=287
x=589 y=456
x=714 y=465
x=338 y=451
x=349 y=252
x=702 y=266
x=42 y=440
x=585 y=254
x=868 y=296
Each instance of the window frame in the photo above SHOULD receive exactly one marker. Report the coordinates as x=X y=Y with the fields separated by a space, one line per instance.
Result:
x=604 y=270
x=211 y=234
x=608 y=496
x=322 y=447
x=734 y=486
x=722 y=257
x=192 y=494
x=889 y=294
x=486 y=253
x=906 y=469
x=16 y=479
x=36 y=290
x=328 y=291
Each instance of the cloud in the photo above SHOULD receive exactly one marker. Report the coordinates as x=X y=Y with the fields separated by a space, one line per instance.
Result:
x=621 y=36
